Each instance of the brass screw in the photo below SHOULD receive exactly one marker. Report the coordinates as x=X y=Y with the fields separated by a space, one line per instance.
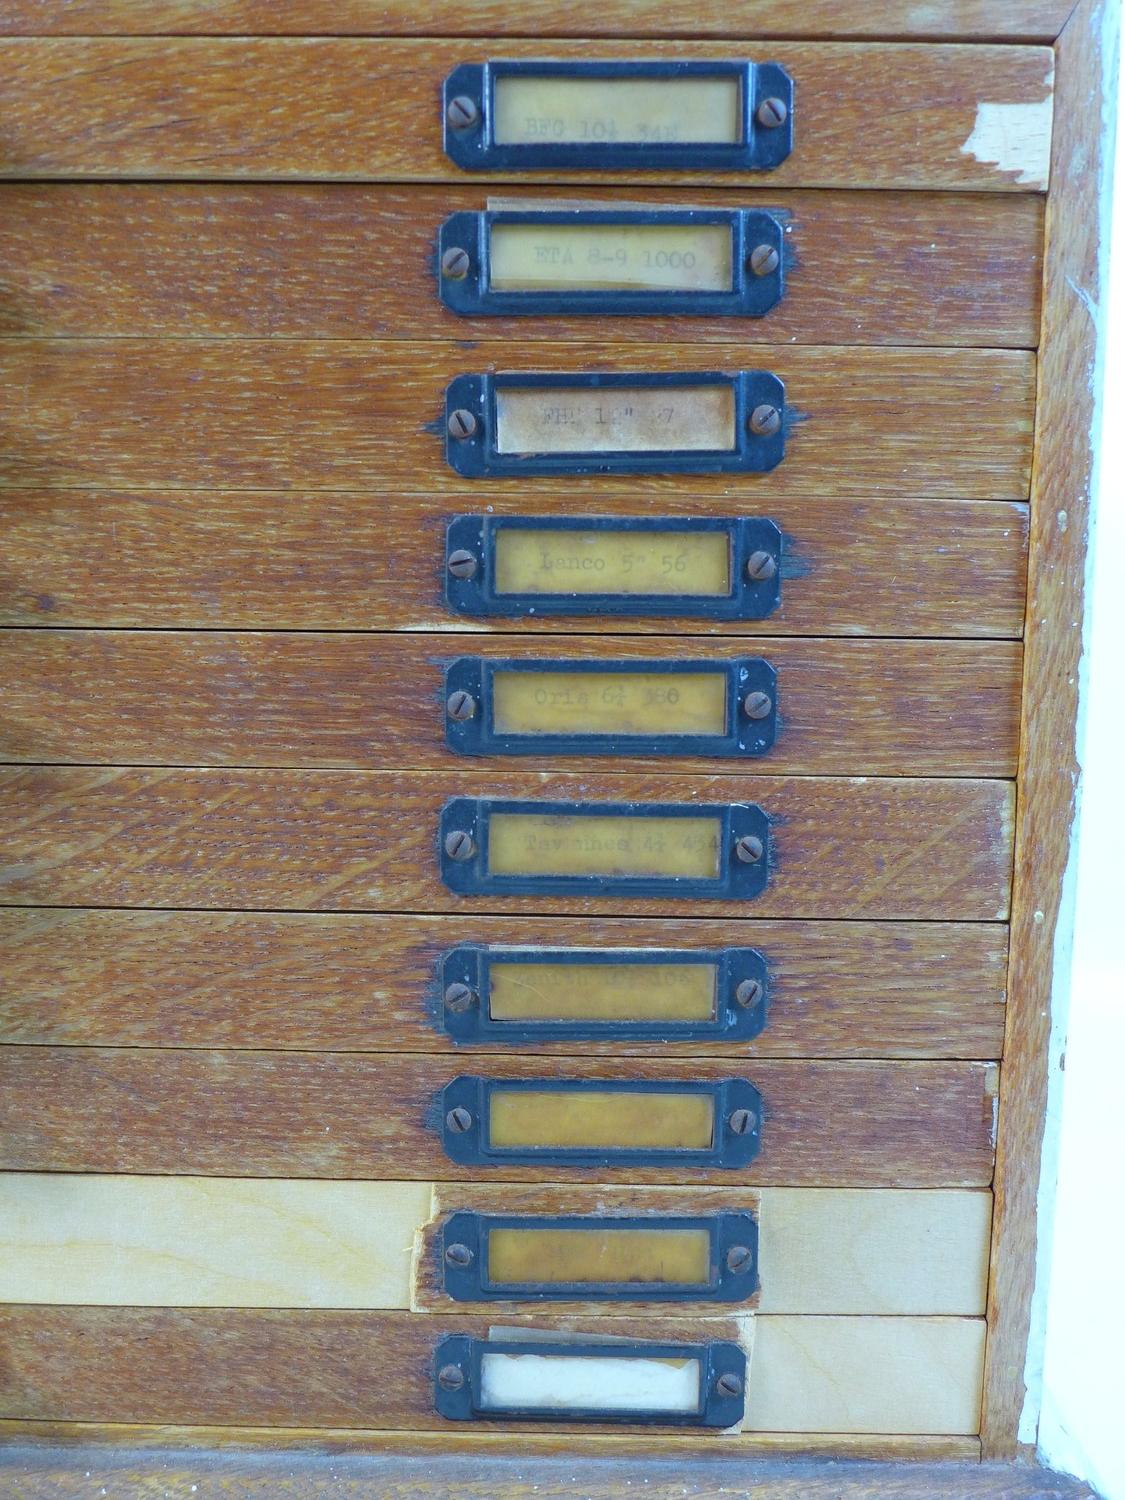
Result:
x=461 y=705
x=463 y=564
x=459 y=844
x=462 y=112
x=458 y=996
x=739 y=1259
x=451 y=1377
x=759 y=566
x=741 y=1121
x=459 y=1120
x=729 y=1385
x=765 y=421
x=459 y=1255
x=764 y=260
x=757 y=705
x=748 y=993
x=455 y=263
x=772 y=112
x=462 y=423
x=749 y=849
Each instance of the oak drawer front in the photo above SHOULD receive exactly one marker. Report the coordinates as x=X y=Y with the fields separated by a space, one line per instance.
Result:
x=347 y=261
x=167 y=107
x=151 y=414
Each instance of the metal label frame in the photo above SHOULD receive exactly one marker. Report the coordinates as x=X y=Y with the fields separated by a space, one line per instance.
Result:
x=475 y=455
x=751 y=295
x=731 y=1149
x=744 y=737
x=737 y=880
x=741 y=995
x=748 y=599
x=761 y=148
x=730 y=1233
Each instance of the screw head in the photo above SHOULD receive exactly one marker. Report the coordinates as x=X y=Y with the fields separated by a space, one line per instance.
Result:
x=741 y=1121
x=757 y=705
x=462 y=112
x=460 y=705
x=458 y=1255
x=463 y=564
x=749 y=849
x=459 y=844
x=729 y=1384
x=749 y=992
x=772 y=112
x=462 y=423
x=458 y=1120
x=455 y=263
x=765 y=420
x=451 y=1377
x=760 y=566
x=458 y=997
x=739 y=1259
x=764 y=260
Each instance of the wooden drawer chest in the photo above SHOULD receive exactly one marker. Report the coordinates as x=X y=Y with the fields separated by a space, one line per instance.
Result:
x=538 y=739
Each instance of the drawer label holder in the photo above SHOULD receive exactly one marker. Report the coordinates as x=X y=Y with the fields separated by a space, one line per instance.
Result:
x=704 y=422
x=588 y=994
x=518 y=115
x=720 y=1251
x=605 y=262
x=505 y=706
x=501 y=847
x=552 y=1122
x=711 y=569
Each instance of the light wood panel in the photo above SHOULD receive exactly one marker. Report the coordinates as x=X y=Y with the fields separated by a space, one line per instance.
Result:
x=321 y=561
x=346 y=261
x=152 y=413
x=273 y=1114
x=348 y=840
x=1018 y=20
x=95 y=1364
x=362 y=983
x=137 y=698
x=867 y=116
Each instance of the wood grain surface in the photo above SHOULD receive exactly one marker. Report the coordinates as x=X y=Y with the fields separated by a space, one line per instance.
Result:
x=362 y=983
x=95 y=1364
x=152 y=413
x=928 y=116
x=346 y=261
x=345 y=840
x=1015 y=20
x=297 y=560
x=873 y=708
x=275 y=1114
x=1042 y=914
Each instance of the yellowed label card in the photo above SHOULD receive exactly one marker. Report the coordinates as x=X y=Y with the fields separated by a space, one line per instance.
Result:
x=615 y=419
x=578 y=1119
x=621 y=845
x=601 y=992
x=610 y=257
x=544 y=110
x=659 y=1257
x=623 y=703
x=693 y=563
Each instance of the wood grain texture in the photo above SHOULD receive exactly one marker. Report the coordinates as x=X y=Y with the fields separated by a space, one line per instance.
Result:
x=362 y=983
x=153 y=413
x=1014 y=20
x=296 y=560
x=867 y=116
x=94 y=1364
x=1042 y=917
x=345 y=840
x=821 y=1250
x=141 y=698
x=274 y=1114
x=346 y=261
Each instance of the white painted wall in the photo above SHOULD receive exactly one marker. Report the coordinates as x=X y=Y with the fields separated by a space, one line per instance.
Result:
x=1082 y=1425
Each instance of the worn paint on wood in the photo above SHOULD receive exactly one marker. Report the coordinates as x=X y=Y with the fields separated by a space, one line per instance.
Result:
x=152 y=413
x=362 y=983
x=273 y=1114
x=346 y=261
x=858 y=707
x=867 y=116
